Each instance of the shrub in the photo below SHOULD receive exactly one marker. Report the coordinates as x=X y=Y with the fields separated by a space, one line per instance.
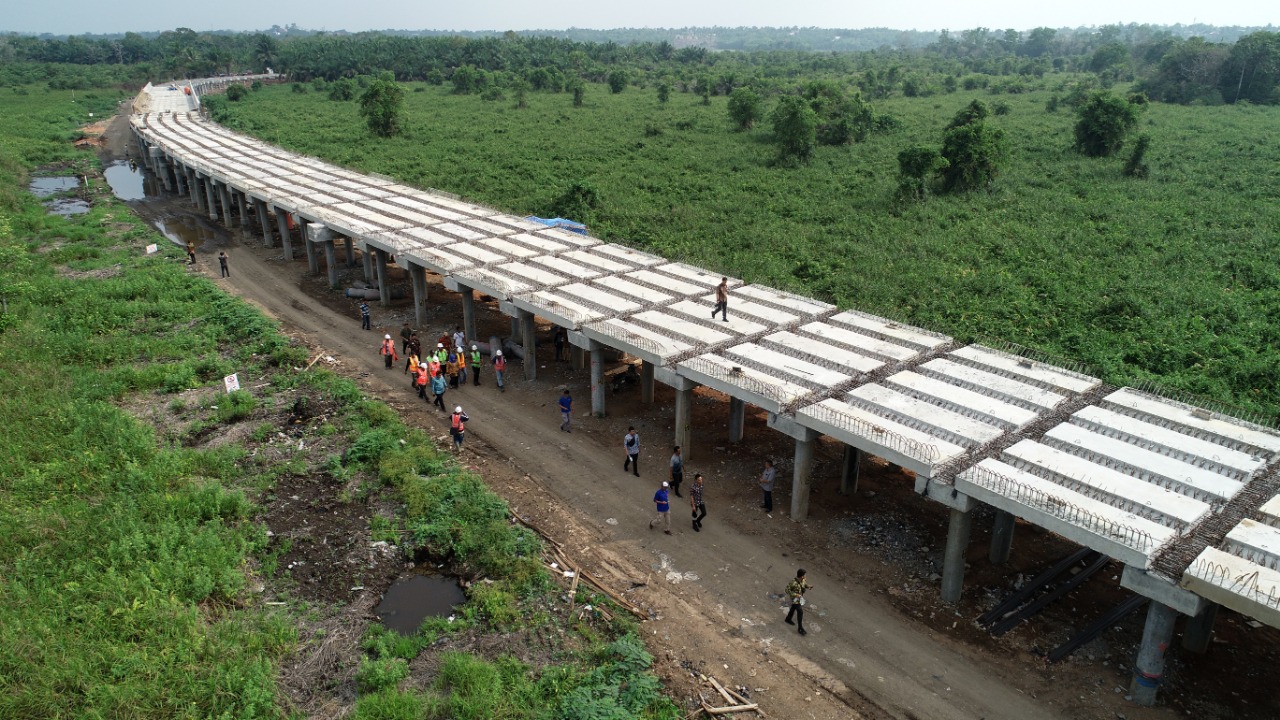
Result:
x=380 y=674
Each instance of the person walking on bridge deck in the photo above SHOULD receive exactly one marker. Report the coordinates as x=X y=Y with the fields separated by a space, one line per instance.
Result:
x=722 y=300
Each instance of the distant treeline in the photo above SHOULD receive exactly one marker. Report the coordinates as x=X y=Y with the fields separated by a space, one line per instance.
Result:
x=1213 y=66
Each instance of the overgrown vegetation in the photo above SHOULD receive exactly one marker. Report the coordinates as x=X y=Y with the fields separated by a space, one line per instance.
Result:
x=128 y=552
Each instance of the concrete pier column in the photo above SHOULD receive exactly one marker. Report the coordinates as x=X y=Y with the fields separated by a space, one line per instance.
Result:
x=646 y=382
x=282 y=224
x=468 y=312
x=384 y=286
x=1002 y=537
x=737 y=419
x=418 y=278
x=684 y=415
x=850 y=470
x=802 y=475
x=1149 y=669
x=515 y=331
x=268 y=240
x=224 y=194
x=577 y=357
x=313 y=255
x=197 y=192
x=953 y=557
x=320 y=237
x=331 y=260
x=1199 y=630
x=369 y=275
x=211 y=201
x=597 y=379
x=161 y=167
x=351 y=253
x=530 y=342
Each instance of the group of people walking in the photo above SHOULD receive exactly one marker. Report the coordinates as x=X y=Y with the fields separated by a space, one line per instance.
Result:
x=432 y=374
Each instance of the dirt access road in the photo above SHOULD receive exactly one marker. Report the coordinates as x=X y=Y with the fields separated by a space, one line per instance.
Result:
x=716 y=595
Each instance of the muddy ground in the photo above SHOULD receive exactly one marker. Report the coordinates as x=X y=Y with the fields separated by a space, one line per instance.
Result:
x=881 y=644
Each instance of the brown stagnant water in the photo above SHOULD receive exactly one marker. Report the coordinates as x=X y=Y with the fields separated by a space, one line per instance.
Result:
x=414 y=598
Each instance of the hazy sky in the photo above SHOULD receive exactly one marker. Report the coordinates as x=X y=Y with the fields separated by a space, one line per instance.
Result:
x=82 y=16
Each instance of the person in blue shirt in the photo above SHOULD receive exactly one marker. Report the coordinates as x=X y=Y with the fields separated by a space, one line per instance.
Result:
x=661 y=500
x=566 y=411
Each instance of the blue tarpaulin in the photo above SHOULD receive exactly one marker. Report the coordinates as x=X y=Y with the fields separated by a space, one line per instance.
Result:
x=562 y=223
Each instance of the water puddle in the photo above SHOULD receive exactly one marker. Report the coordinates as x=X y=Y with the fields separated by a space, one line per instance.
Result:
x=182 y=229
x=414 y=598
x=126 y=181
x=46 y=186
x=67 y=207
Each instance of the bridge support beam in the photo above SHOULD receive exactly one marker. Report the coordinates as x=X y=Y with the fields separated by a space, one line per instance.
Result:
x=211 y=202
x=351 y=252
x=1149 y=669
x=684 y=413
x=320 y=235
x=1199 y=630
x=1002 y=537
x=367 y=257
x=384 y=287
x=577 y=357
x=802 y=476
x=468 y=312
x=418 y=279
x=597 y=378
x=850 y=470
x=646 y=382
x=224 y=195
x=737 y=419
x=268 y=240
x=286 y=240
x=953 y=557
x=529 y=341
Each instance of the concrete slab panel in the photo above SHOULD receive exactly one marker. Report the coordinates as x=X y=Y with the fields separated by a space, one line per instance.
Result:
x=1211 y=424
x=787 y=368
x=798 y=304
x=1047 y=376
x=677 y=326
x=761 y=389
x=628 y=255
x=1256 y=542
x=916 y=338
x=1001 y=386
x=1064 y=468
x=633 y=291
x=1144 y=464
x=883 y=437
x=961 y=400
x=1165 y=441
x=1235 y=583
x=836 y=354
x=736 y=325
x=861 y=343
x=929 y=418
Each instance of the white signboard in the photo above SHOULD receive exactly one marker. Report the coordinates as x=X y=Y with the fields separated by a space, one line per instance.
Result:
x=232 y=382
x=153 y=249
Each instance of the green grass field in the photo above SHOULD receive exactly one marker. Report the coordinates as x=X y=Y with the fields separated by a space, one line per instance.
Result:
x=1173 y=278
x=127 y=549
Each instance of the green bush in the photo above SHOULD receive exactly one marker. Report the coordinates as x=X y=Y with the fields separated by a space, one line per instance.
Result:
x=235 y=406
x=380 y=673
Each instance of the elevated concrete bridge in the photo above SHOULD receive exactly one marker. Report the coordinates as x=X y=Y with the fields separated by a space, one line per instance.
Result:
x=1184 y=496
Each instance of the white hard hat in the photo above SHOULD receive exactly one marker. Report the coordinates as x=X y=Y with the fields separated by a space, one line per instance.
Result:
x=665 y=484
x=473 y=347
x=498 y=353
x=388 y=337
x=458 y=409
x=439 y=345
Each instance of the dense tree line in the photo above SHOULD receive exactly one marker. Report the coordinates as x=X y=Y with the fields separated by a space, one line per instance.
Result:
x=1168 y=66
